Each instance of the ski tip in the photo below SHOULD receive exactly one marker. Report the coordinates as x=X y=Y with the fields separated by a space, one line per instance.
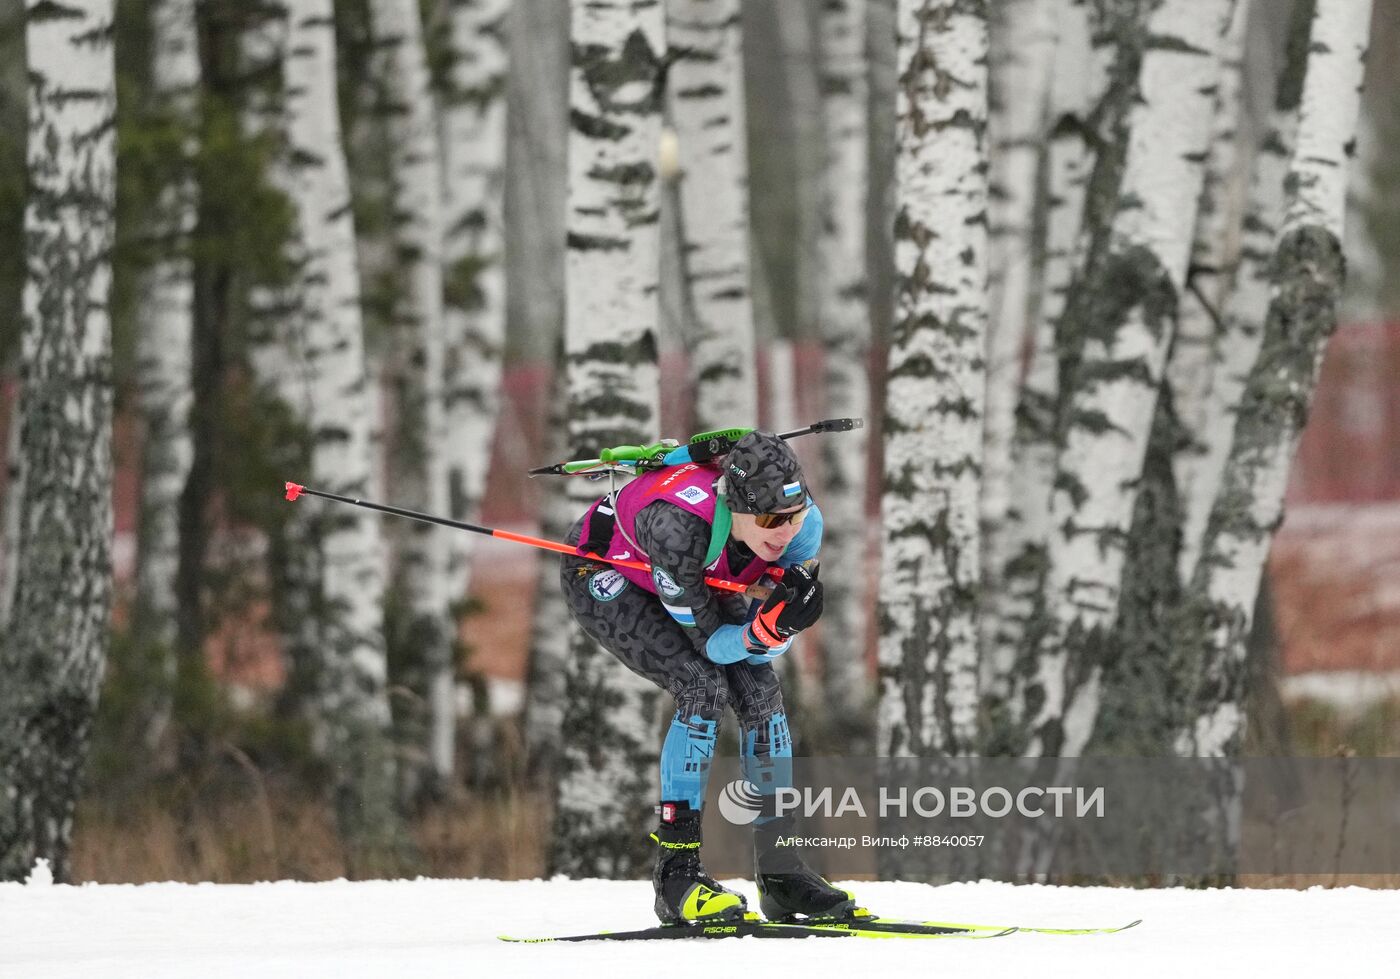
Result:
x=1131 y=924
x=512 y=938
x=294 y=490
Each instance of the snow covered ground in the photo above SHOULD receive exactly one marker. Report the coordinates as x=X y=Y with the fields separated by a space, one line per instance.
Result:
x=429 y=928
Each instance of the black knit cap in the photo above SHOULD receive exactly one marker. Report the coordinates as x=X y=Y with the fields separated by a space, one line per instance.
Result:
x=762 y=475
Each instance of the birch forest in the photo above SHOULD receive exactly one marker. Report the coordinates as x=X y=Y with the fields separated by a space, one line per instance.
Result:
x=1093 y=273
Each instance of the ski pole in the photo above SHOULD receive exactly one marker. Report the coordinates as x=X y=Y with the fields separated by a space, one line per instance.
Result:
x=295 y=490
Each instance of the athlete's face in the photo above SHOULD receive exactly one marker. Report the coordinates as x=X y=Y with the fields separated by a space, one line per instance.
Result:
x=768 y=542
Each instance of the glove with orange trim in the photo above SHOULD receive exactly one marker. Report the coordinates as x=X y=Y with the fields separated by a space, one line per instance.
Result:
x=794 y=605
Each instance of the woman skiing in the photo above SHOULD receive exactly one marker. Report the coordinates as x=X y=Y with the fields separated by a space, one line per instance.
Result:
x=737 y=520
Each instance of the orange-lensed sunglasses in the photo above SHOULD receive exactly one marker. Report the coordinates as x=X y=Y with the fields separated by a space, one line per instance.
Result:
x=770 y=520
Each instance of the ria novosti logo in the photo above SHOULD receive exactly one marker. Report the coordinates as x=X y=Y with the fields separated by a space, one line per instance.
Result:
x=740 y=802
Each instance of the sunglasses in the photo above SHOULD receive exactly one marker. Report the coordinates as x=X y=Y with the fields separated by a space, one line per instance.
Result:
x=770 y=520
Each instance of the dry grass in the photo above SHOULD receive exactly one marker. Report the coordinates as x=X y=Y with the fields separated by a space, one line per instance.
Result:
x=242 y=825
x=288 y=836
x=1301 y=882
x=284 y=834
x=502 y=838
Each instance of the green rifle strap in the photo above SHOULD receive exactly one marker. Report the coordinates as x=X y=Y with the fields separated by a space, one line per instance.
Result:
x=719 y=527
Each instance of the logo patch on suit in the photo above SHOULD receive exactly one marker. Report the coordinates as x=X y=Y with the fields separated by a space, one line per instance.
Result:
x=693 y=495
x=607 y=585
x=665 y=584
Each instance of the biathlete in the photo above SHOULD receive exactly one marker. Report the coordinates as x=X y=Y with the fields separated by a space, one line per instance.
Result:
x=737 y=519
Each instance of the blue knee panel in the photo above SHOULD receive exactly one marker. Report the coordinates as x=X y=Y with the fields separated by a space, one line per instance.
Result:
x=685 y=760
x=768 y=763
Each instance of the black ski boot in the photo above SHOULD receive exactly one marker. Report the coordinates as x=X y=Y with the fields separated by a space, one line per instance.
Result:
x=788 y=889
x=684 y=892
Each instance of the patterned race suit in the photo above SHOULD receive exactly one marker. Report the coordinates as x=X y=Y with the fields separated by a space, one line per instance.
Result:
x=678 y=633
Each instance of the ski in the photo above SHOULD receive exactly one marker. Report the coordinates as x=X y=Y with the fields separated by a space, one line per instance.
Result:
x=757 y=928
x=863 y=920
x=1026 y=929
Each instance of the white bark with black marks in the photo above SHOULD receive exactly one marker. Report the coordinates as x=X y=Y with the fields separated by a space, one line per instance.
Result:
x=56 y=636
x=1109 y=410
x=1214 y=256
x=1023 y=45
x=331 y=579
x=418 y=357
x=934 y=396
x=1308 y=274
x=846 y=337
x=611 y=738
x=1242 y=327
x=1014 y=549
x=164 y=358
x=705 y=89
x=473 y=135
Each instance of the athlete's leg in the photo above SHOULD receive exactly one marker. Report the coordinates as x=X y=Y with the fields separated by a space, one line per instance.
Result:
x=787 y=886
x=765 y=744
x=631 y=624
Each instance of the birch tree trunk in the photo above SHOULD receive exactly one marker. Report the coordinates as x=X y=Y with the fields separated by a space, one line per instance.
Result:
x=424 y=642
x=539 y=103
x=781 y=411
x=474 y=314
x=9 y=530
x=706 y=96
x=845 y=332
x=1373 y=227
x=548 y=667
x=164 y=359
x=1086 y=113
x=218 y=294
x=798 y=51
x=57 y=634
x=332 y=587
x=1105 y=427
x=1213 y=260
x=1242 y=330
x=612 y=722
x=1135 y=706
x=13 y=110
x=935 y=387
x=473 y=148
x=1308 y=271
x=1020 y=90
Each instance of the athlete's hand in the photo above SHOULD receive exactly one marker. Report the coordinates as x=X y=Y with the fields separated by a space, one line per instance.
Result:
x=805 y=601
x=794 y=605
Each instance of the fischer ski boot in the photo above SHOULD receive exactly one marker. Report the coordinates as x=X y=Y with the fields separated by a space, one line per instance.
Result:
x=684 y=892
x=788 y=889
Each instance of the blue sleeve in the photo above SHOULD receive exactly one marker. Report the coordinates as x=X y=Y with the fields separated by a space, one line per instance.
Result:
x=807 y=543
x=726 y=645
